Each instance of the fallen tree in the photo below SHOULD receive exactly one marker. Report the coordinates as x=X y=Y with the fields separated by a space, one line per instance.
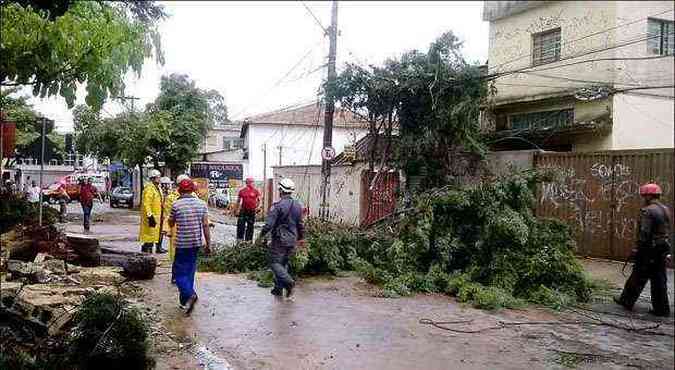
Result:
x=480 y=243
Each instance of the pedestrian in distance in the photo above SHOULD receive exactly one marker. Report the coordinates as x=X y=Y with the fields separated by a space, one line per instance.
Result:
x=63 y=198
x=34 y=193
x=651 y=254
x=249 y=201
x=87 y=194
x=151 y=213
x=190 y=216
x=284 y=223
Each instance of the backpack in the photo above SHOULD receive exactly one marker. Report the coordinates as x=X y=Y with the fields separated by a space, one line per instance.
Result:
x=285 y=236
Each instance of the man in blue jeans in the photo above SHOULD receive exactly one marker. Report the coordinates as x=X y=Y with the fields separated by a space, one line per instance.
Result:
x=87 y=194
x=190 y=216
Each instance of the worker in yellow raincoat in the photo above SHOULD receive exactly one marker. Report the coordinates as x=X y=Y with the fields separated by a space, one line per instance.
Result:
x=171 y=197
x=151 y=214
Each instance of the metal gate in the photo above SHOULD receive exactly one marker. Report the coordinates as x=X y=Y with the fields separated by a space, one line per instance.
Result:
x=380 y=201
x=598 y=195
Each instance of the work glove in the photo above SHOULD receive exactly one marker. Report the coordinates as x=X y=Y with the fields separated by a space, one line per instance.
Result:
x=151 y=221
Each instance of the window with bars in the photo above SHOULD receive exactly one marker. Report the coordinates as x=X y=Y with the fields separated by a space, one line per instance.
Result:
x=546 y=47
x=660 y=37
x=232 y=143
x=542 y=120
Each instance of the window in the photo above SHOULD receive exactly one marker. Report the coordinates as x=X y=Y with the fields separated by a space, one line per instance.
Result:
x=232 y=143
x=211 y=140
x=546 y=47
x=542 y=120
x=660 y=37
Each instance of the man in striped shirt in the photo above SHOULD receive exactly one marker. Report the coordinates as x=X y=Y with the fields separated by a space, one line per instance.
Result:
x=190 y=215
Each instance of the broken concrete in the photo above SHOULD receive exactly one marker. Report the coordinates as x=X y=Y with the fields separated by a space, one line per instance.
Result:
x=28 y=270
x=47 y=306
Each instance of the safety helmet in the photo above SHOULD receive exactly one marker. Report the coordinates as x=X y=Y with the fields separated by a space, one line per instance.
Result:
x=286 y=185
x=249 y=180
x=181 y=178
x=154 y=173
x=650 y=189
x=165 y=180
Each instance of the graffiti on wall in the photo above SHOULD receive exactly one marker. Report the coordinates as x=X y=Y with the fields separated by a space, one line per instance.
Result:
x=599 y=197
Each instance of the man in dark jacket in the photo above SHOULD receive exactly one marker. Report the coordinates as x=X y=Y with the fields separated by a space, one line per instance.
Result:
x=652 y=252
x=284 y=221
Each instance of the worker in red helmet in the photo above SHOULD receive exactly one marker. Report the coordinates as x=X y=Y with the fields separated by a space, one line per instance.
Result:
x=249 y=201
x=652 y=252
x=190 y=216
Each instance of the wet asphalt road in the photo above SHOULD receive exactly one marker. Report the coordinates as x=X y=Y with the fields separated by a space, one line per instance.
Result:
x=341 y=323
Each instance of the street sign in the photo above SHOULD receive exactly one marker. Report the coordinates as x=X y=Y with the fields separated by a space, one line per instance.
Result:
x=328 y=153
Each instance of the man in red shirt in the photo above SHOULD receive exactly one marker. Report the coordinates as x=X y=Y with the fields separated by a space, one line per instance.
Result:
x=249 y=200
x=87 y=194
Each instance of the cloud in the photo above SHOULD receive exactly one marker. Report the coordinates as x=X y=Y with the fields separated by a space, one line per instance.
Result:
x=243 y=49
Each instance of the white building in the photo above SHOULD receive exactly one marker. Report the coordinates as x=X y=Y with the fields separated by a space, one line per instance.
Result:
x=294 y=136
x=541 y=55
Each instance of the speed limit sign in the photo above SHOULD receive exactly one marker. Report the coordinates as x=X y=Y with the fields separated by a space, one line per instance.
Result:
x=327 y=153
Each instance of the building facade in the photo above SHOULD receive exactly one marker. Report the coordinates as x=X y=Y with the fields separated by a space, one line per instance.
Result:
x=294 y=137
x=580 y=75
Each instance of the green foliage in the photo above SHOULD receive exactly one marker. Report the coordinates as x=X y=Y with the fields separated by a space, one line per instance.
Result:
x=169 y=130
x=240 y=257
x=481 y=244
x=434 y=97
x=265 y=278
x=109 y=334
x=28 y=127
x=16 y=210
x=90 y=42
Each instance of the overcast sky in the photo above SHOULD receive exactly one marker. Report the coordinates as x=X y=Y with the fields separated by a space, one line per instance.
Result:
x=243 y=49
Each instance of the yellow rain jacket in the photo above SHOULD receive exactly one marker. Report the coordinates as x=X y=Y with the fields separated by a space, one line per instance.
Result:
x=150 y=205
x=170 y=231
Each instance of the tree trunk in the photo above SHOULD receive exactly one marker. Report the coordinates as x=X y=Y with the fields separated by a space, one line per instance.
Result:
x=87 y=249
x=136 y=265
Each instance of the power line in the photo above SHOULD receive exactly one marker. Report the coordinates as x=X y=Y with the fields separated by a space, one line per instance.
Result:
x=316 y=19
x=589 y=35
x=579 y=80
x=615 y=46
x=276 y=84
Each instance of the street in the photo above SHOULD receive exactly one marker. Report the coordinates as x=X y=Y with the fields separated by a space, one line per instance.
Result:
x=342 y=322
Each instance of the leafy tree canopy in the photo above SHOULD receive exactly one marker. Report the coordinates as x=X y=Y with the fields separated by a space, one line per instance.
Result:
x=170 y=129
x=432 y=99
x=57 y=47
x=28 y=129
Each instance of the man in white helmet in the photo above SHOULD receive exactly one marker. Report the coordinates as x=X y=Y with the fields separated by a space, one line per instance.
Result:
x=151 y=214
x=284 y=222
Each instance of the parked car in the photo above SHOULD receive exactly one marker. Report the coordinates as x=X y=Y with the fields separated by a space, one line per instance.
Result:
x=122 y=195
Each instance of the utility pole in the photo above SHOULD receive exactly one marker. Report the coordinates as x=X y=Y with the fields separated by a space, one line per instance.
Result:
x=324 y=208
x=2 y=149
x=280 y=153
x=42 y=166
x=264 y=149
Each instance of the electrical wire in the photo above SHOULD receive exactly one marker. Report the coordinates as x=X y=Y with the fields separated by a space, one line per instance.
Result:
x=316 y=19
x=615 y=46
x=589 y=35
x=280 y=80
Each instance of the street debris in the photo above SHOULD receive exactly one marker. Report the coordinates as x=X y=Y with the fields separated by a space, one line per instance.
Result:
x=481 y=243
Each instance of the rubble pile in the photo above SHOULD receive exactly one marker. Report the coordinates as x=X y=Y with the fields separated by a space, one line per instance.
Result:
x=45 y=277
